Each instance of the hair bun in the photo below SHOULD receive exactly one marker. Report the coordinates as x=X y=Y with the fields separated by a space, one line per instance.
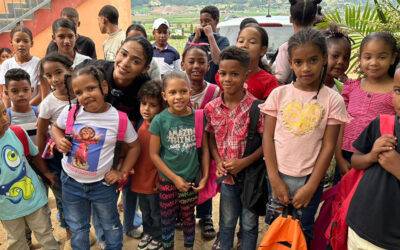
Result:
x=292 y=2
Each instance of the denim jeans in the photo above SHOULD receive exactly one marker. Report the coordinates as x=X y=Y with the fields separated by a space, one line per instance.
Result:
x=230 y=211
x=150 y=207
x=129 y=201
x=79 y=199
x=204 y=210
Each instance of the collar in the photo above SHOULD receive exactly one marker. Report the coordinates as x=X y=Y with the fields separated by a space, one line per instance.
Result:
x=246 y=98
x=165 y=48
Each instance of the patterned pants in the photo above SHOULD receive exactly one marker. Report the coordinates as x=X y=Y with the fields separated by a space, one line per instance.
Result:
x=171 y=202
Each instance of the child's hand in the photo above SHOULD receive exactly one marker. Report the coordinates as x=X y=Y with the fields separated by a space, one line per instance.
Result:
x=202 y=184
x=64 y=145
x=52 y=178
x=221 y=171
x=382 y=144
x=197 y=33
x=303 y=196
x=344 y=166
x=280 y=190
x=234 y=166
x=181 y=184
x=389 y=160
x=208 y=31
x=113 y=176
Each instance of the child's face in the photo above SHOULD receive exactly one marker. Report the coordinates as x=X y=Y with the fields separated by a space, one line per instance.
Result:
x=232 y=76
x=19 y=92
x=376 y=58
x=21 y=43
x=4 y=121
x=87 y=89
x=65 y=39
x=307 y=62
x=250 y=40
x=161 y=35
x=4 y=56
x=149 y=107
x=195 y=64
x=396 y=92
x=54 y=73
x=130 y=62
x=177 y=95
x=207 y=19
x=338 y=58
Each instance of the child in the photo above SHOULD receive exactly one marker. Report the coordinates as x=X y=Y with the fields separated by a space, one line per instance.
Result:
x=254 y=39
x=339 y=51
x=166 y=56
x=228 y=119
x=108 y=24
x=206 y=32
x=173 y=152
x=370 y=96
x=145 y=179
x=22 y=42
x=89 y=176
x=5 y=53
x=23 y=197
x=56 y=70
x=301 y=127
x=195 y=64
x=379 y=188
x=302 y=15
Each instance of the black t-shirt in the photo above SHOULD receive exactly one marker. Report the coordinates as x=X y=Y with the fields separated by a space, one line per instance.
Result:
x=374 y=212
x=222 y=43
x=124 y=99
x=84 y=45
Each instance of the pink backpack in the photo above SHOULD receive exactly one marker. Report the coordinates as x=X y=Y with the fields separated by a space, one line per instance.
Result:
x=330 y=229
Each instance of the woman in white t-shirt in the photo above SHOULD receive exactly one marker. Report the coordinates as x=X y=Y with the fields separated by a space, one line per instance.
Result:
x=22 y=42
x=87 y=135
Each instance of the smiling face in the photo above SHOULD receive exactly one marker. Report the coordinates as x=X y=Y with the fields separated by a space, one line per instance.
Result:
x=232 y=76
x=307 y=62
x=4 y=120
x=54 y=73
x=130 y=62
x=21 y=43
x=177 y=95
x=249 y=39
x=20 y=93
x=338 y=58
x=90 y=93
x=195 y=64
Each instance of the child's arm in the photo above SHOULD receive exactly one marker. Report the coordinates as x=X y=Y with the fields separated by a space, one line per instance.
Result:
x=37 y=98
x=63 y=144
x=154 y=152
x=304 y=194
x=221 y=171
x=215 y=51
x=234 y=166
x=205 y=164
x=344 y=165
x=40 y=165
x=44 y=89
x=41 y=134
x=279 y=187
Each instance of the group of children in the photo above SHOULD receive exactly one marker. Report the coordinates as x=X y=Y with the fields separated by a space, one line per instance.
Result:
x=87 y=148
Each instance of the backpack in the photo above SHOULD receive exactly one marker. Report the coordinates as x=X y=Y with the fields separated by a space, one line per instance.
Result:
x=284 y=233
x=332 y=217
x=21 y=135
x=209 y=95
x=211 y=188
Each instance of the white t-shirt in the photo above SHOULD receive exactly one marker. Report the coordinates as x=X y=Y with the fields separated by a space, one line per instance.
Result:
x=197 y=99
x=94 y=137
x=79 y=58
x=31 y=67
x=51 y=107
x=112 y=44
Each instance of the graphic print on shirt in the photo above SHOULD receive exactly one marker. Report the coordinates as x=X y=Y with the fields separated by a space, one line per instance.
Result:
x=181 y=139
x=86 y=147
x=20 y=187
x=300 y=119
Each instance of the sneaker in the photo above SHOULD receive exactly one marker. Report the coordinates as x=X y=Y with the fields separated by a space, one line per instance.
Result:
x=207 y=229
x=135 y=233
x=101 y=244
x=144 y=241
x=154 y=245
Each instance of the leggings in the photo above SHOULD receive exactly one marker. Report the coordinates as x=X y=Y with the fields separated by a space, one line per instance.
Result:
x=171 y=202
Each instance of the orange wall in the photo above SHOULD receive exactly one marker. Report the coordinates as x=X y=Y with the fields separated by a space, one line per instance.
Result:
x=88 y=12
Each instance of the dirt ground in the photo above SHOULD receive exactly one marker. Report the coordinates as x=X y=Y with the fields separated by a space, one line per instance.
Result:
x=130 y=243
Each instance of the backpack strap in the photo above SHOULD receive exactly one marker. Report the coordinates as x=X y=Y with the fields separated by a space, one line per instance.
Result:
x=198 y=126
x=22 y=137
x=254 y=117
x=35 y=110
x=70 y=119
x=386 y=124
x=9 y=113
x=122 y=125
x=210 y=91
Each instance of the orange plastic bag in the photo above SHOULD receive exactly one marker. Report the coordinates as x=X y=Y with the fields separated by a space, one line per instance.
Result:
x=283 y=234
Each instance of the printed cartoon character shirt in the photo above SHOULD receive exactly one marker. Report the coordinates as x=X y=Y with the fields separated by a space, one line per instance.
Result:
x=300 y=125
x=94 y=136
x=21 y=191
x=178 y=143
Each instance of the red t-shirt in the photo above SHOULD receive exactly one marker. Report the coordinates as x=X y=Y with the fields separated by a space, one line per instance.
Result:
x=259 y=84
x=145 y=178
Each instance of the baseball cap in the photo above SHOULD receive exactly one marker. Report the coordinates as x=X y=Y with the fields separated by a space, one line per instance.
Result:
x=158 y=22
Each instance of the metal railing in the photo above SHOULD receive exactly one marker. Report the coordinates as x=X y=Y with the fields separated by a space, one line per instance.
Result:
x=19 y=11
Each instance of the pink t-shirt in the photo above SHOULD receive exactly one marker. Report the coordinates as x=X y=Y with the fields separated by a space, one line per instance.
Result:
x=300 y=125
x=363 y=107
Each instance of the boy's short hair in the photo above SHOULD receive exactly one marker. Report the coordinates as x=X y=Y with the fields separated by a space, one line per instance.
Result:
x=16 y=75
x=111 y=13
x=70 y=12
x=151 y=89
x=212 y=10
x=237 y=54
